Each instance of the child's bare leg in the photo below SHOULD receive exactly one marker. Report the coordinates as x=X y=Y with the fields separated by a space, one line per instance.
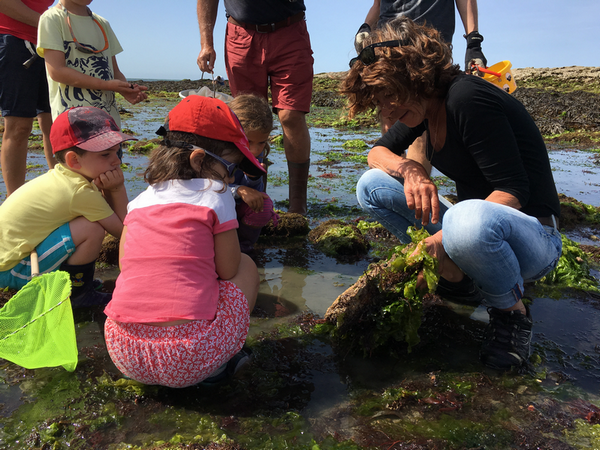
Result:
x=87 y=237
x=247 y=279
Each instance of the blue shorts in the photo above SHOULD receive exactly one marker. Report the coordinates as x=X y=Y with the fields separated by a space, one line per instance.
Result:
x=52 y=252
x=23 y=92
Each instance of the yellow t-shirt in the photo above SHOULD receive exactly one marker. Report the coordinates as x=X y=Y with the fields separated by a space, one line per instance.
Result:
x=42 y=205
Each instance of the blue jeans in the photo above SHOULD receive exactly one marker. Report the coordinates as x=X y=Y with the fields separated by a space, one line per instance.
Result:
x=382 y=196
x=499 y=247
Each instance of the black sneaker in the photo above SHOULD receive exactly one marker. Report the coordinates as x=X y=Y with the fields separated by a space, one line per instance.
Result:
x=507 y=339
x=463 y=292
x=227 y=370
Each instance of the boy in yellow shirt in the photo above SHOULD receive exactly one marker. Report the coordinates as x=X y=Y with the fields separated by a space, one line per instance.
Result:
x=65 y=213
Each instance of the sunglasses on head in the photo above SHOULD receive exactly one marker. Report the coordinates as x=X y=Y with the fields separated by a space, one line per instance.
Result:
x=367 y=55
x=82 y=47
x=230 y=166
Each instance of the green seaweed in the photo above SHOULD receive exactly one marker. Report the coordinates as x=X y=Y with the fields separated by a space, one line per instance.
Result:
x=277 y=141
x=584 y=436
x=355 y=144
x=392 y=305
x=571 y=271
x=340 y=240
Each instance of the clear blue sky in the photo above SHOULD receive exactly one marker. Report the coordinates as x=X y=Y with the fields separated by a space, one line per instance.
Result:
x=161 y=39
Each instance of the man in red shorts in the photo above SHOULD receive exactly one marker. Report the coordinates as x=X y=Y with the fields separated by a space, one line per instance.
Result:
x=267 y=42
x=23 y=88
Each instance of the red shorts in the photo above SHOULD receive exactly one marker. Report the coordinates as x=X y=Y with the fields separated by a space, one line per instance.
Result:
x=283 y=56
x=181 y=355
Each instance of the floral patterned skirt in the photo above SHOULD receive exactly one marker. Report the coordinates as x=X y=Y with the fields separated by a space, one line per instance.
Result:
x=181 y=355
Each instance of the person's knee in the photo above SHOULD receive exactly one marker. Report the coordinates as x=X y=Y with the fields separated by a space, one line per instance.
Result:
x=465 y=226
x=17 y=128
x=82 y=230
x=363 y=189
x=292 y=120
x=367 y=187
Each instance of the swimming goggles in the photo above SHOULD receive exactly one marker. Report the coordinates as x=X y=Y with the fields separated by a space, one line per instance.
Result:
x=82 y=47
x=367 y=55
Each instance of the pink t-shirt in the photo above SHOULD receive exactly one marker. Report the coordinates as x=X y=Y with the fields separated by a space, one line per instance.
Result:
x=168 y=265
x=21 y=30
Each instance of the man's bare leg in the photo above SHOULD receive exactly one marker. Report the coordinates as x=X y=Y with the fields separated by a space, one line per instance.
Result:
x=13 y=154
x=296 y=142
x=45 y=122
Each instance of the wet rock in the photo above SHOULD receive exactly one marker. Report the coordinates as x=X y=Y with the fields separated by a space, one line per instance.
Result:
x=554 y=113
x=363 y=295
x=336 y=238
x=380 y=307
x=328 y=99
x=574 y=213
x=6 y=295
x=145 y=146
x=290 y=224
x=109 y=254
x=592 y=251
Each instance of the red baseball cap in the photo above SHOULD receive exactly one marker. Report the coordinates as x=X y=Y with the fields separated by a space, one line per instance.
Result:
x=212 y=118
x=88 y=128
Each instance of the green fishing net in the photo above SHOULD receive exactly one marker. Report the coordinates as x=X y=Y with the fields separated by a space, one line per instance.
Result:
x=36 y=325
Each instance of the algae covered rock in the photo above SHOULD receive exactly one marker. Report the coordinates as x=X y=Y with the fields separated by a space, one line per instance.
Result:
x=289 y=225
x=109 y=253
x=384 y=304
x=145 y=146
x=571 y=272
x=336 y=238
x=574 y=213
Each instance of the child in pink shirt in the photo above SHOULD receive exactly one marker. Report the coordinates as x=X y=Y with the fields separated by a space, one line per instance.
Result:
x=180 y=311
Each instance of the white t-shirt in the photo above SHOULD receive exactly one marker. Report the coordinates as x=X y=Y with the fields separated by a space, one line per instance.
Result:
x=54 y=34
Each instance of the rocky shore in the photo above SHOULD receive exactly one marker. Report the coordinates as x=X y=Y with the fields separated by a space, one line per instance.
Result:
x=559 y=99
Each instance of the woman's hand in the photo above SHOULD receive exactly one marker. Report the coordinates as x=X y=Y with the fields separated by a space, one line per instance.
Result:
x=446 y=267
x=421 y=193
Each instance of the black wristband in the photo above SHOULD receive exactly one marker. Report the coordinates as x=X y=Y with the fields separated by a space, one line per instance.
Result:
x=474 y=39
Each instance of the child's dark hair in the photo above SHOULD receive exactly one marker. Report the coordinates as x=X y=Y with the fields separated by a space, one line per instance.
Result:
x=254 y=114
x=60 y=156
x=172 y=162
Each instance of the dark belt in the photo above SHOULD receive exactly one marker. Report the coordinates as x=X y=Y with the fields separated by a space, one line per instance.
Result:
x=548 y=221
x=268 y=27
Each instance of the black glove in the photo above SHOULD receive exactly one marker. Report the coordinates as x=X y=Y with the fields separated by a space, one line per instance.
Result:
x=361 y=34
x=474 y=55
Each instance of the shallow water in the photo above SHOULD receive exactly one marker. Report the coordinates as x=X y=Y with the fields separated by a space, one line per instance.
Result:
x=297 y=278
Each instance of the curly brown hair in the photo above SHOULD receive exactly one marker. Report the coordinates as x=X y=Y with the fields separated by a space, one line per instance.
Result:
x=421 y=68
x=172 y=162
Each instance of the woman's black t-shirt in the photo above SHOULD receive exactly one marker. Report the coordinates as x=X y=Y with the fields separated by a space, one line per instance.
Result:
x=492 y=143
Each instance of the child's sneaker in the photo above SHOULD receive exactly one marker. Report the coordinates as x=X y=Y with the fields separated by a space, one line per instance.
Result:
x=507 y=339
x=227 y=370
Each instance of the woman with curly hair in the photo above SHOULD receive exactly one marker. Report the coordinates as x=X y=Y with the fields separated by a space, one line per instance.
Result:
x=504 y=229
